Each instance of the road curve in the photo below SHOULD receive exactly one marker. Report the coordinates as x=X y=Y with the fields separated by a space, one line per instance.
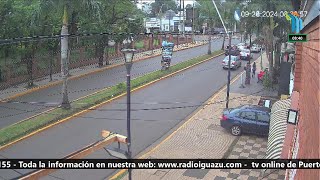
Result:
x=12 y=113
x=192 y=86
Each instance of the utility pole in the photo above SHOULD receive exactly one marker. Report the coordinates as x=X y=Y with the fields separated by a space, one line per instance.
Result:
x=160 y=17
x=209 y=37
x=183 y=19
x=180 y=16
x=229 y=62
x=193 y=23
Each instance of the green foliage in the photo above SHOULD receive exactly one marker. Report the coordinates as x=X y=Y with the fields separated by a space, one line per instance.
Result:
x=267 y=83
x=139 y=45
x=44 y=17
x=256 y=24
x=121 y=86
x=161 y=6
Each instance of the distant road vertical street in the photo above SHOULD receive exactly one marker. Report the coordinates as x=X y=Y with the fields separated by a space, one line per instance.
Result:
x=156 y=109
x=12 y=113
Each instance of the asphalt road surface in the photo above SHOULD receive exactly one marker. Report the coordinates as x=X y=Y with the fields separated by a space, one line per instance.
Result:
x=191 y=87
x=11 y=113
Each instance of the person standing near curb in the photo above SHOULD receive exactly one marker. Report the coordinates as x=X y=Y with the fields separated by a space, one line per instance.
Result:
x=254 y=68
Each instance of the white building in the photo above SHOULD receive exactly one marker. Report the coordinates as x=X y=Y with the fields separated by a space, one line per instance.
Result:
x=164 y=25
x=144 y=6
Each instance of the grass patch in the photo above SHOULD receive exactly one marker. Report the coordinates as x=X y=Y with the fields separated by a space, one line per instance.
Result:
x=139 y=45
x=13 y=132
x=156 y=42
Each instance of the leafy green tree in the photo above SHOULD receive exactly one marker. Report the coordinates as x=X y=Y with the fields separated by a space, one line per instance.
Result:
x=162 y=6
x=119 y=17
x=66 y=8
x=21 y=18
x=24 y=14
x=274 y=29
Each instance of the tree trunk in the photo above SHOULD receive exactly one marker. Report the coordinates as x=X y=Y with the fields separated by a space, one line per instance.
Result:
x=29 y=69
x=277 y=61
x=224 y=39
x=107 y=53
x=100 y=52
x=51 y=64
x=28 y=60
x=271 y=48
x=64 y=59
x=209 y=46
x=152 y=43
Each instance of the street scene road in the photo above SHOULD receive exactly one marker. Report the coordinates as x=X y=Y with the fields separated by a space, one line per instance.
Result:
x=191 y=87
x=151 y=79
x=12 y=113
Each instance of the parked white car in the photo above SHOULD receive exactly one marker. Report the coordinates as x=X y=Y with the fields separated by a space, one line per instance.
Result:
x=234 y=63
x=245 y=54
x=242 y=46
x=255 y=49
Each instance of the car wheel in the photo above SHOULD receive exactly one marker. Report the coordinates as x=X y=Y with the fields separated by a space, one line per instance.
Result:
x=236 y=130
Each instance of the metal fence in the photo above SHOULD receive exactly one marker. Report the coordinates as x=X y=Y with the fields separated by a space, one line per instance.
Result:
x=42 y=60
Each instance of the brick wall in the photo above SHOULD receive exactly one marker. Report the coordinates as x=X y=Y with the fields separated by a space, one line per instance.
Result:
x=307 y=80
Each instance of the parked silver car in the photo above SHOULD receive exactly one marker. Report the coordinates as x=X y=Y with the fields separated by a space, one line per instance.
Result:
x=255 y=49
x=234 y=63
x=245 y=54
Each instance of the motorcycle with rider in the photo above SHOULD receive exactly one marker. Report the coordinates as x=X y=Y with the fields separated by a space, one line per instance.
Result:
x=167 y=50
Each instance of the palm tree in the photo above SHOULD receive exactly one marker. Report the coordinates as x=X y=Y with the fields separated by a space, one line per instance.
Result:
x=64 y=58
x=91 y=8
x=207 y=9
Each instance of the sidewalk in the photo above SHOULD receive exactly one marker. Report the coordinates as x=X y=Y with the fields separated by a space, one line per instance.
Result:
x=202 y=137
x=82 y=71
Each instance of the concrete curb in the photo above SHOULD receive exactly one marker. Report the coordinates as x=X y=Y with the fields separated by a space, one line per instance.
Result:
x=103 y=103
x=179 y=126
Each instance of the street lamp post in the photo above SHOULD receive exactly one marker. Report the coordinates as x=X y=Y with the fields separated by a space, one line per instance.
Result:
x=229 y=63
x=128 y=56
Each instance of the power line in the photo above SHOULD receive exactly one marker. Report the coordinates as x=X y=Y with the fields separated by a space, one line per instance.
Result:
x=147 y=109
x=39 y=37
x=51 y=104
x=99 y=75
x=24 y=112
x=117 y=78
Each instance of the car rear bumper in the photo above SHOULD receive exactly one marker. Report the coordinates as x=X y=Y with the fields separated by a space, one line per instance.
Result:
x=226 y=66
x=225 y=124
x=244 y=57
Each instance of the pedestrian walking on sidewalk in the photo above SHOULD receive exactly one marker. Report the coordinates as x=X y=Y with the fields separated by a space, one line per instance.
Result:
x=254 y=68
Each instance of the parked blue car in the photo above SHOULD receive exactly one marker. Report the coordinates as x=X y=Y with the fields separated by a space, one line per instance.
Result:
x=250 y=119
